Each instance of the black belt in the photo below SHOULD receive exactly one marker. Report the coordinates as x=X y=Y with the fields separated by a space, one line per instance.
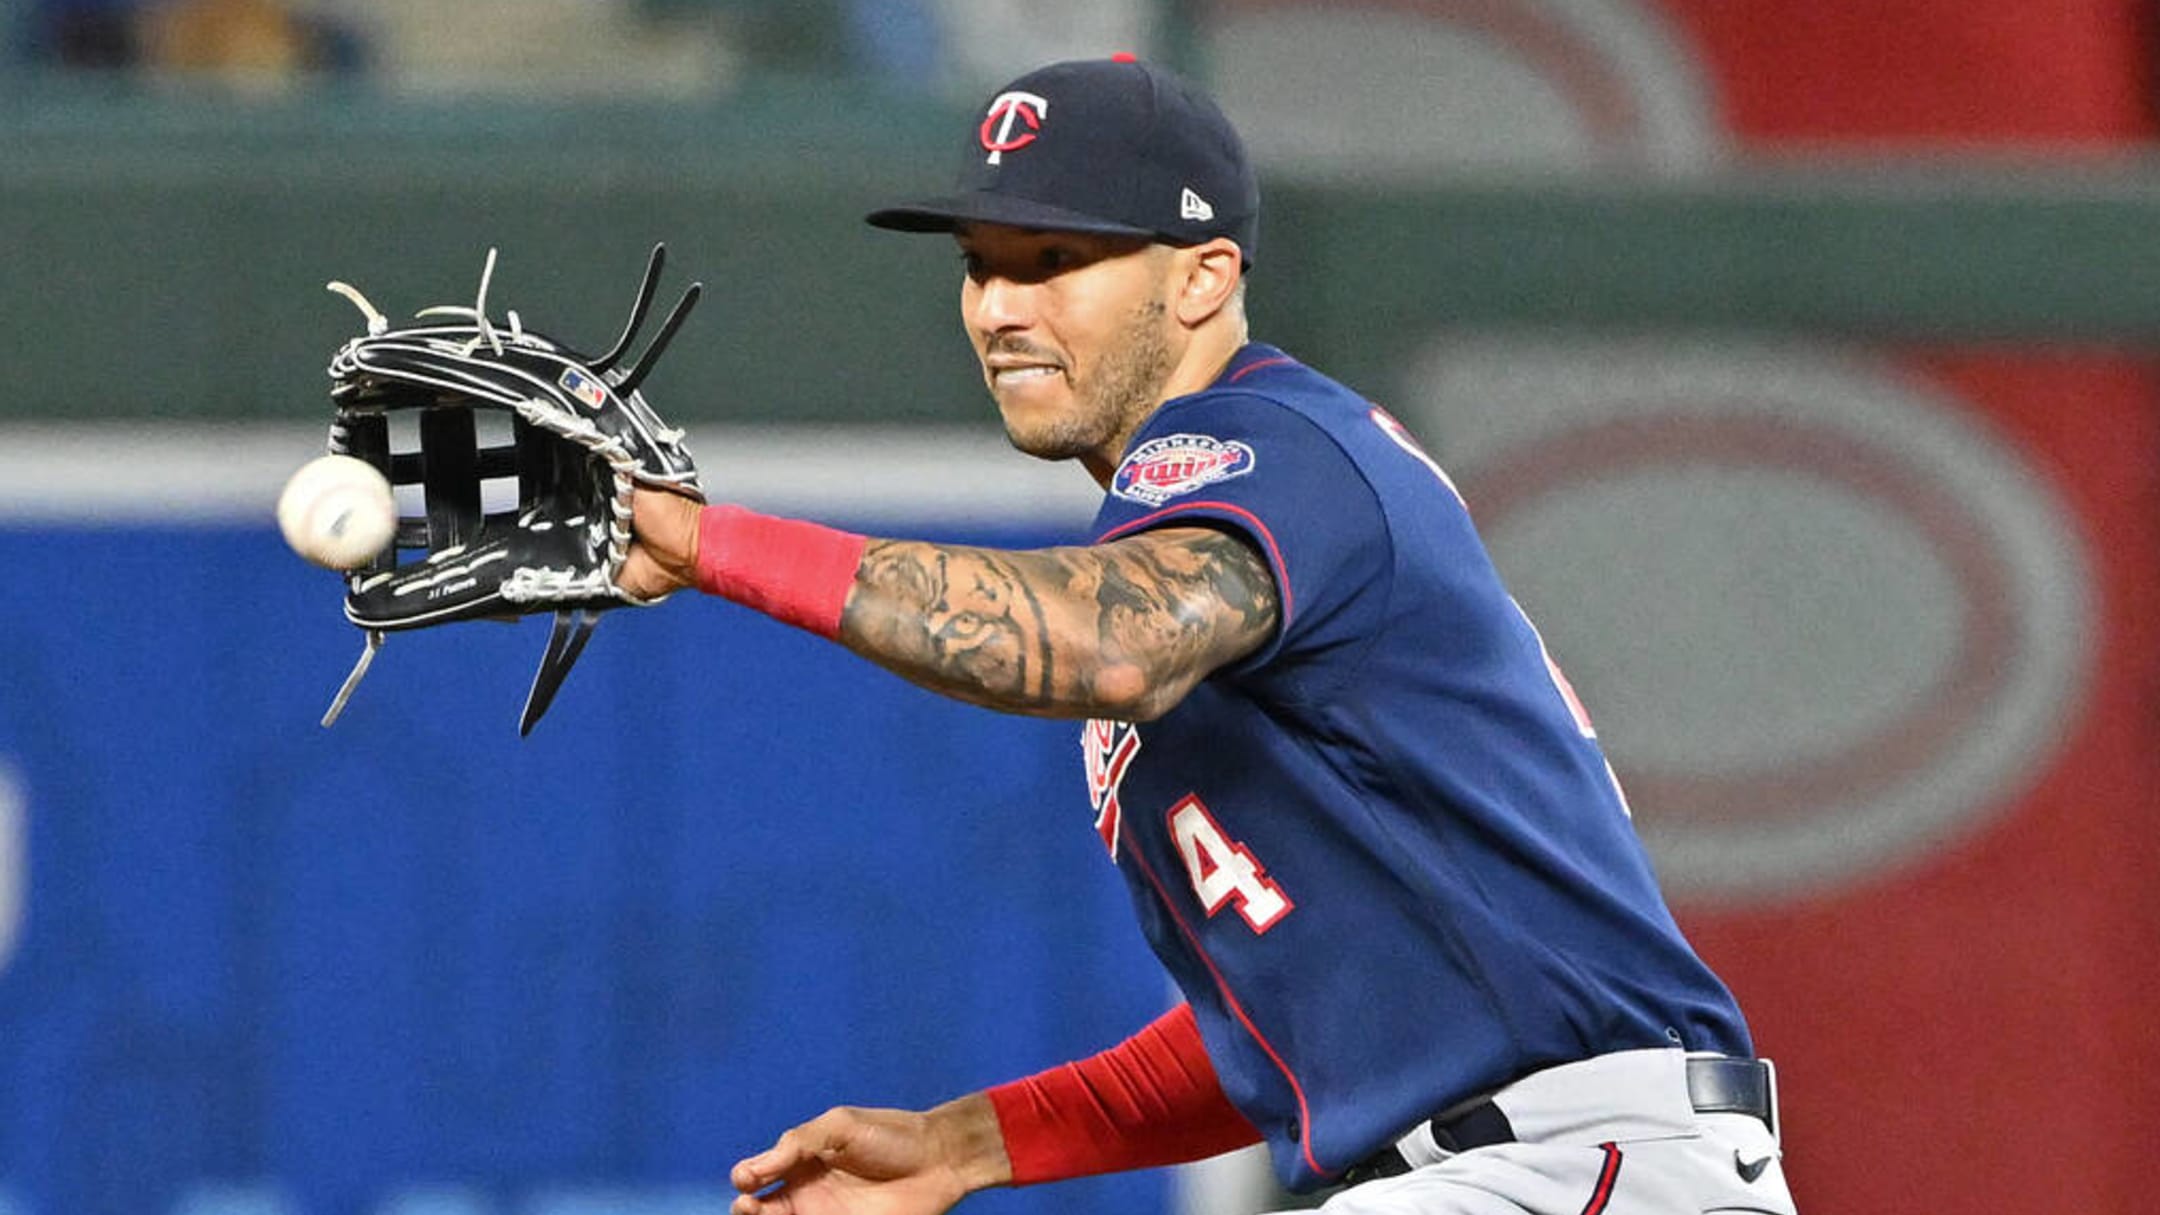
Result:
x=1715 y=1086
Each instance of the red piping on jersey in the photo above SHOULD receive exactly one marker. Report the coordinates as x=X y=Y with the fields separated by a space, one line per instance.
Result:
x=1602 y=1198
x=1249 y=368
x=1266 y=537
x=1222 y=985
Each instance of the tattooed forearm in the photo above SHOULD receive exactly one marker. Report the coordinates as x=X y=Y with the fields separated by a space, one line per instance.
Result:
x=958 y=620
x=1119 y=630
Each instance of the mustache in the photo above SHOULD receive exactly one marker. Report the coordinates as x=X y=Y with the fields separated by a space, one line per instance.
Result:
x=1020 y=347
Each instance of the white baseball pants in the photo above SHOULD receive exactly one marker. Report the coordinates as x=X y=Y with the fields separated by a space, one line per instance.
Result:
x=1614 y=1135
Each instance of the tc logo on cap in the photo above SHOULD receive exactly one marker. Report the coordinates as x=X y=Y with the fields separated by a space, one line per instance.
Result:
x=1006 y=110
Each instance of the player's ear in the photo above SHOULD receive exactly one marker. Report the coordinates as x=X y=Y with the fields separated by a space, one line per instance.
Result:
x=1207 y=280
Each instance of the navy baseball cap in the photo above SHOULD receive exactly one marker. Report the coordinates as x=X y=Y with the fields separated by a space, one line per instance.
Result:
x=1113 y=146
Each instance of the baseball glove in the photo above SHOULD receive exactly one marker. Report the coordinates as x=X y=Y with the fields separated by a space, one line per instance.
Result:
x=524 y=453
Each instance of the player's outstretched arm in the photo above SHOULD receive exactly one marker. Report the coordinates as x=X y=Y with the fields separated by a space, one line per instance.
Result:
x=850 y=1161
x=1120 y=630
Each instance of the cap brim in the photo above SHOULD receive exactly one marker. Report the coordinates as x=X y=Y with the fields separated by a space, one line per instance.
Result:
x=983 y=207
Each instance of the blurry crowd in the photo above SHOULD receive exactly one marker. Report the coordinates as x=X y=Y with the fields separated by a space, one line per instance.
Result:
x=272 y=37
x=576 y=47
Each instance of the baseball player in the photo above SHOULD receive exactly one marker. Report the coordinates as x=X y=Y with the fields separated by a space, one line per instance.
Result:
x=1365 y=823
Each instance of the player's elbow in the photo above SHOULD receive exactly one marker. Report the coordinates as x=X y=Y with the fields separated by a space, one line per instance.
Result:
x=1127 y=691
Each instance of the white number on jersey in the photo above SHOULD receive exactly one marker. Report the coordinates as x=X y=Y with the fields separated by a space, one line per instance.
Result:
x=1402 y=438
x=1566 y=689
x=1400 y=435
x=1560 y=682
x=1223 y=871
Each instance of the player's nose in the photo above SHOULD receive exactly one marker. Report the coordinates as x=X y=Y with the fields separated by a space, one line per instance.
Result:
x=999 y=305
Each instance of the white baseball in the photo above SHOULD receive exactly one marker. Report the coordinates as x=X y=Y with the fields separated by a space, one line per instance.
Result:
x=337 y=512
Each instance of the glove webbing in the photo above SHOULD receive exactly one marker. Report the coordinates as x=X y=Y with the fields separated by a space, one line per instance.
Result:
x=456 y=475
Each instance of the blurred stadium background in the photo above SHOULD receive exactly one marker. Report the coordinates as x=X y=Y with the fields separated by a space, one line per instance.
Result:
x=1797 y=359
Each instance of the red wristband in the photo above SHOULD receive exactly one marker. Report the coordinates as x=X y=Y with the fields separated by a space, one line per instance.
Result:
x=794 y=571
x=1148 y=1101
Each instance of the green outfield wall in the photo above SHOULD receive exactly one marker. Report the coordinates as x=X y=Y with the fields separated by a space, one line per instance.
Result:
x=165 y=254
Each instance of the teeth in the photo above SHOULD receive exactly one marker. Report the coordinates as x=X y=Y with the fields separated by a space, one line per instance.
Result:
x=1008 y=374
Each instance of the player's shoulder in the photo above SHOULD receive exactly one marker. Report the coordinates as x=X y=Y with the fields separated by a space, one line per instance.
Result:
x=1260 y=373
x=1267 y=408
x=1267 y=428
x=1262 y=391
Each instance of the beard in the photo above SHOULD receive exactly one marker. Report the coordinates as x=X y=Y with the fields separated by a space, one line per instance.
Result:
x=1123 y=388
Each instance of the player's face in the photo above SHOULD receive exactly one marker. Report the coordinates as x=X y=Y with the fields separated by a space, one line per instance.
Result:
x=1073 y=333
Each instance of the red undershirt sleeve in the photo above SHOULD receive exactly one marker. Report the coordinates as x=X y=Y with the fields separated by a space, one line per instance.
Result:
x=790 y=569
x=1151 y=1100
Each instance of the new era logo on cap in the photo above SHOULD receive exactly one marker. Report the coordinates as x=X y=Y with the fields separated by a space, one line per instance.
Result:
x=1134 y=151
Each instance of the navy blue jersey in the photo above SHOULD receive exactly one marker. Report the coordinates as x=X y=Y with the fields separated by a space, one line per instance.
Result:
x=1383 y=857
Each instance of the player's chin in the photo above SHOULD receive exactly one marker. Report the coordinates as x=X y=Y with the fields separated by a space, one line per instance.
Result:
x=1033 y=424
x=1045 y=440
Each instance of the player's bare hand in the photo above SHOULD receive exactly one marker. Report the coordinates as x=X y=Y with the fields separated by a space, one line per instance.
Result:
x=663 y=550
x=850 y=1161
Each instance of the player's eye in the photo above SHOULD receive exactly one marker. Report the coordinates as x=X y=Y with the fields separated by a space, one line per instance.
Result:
x=1055 y=258
x=971 y=264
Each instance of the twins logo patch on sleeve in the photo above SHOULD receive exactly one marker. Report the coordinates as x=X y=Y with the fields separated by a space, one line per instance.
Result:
x=1161 y=469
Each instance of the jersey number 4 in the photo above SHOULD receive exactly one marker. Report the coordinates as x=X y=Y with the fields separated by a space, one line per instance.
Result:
x=1222 y=870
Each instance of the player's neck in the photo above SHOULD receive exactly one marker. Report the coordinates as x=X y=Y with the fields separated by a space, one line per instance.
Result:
x=1213 y=346
x=1206 y=355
